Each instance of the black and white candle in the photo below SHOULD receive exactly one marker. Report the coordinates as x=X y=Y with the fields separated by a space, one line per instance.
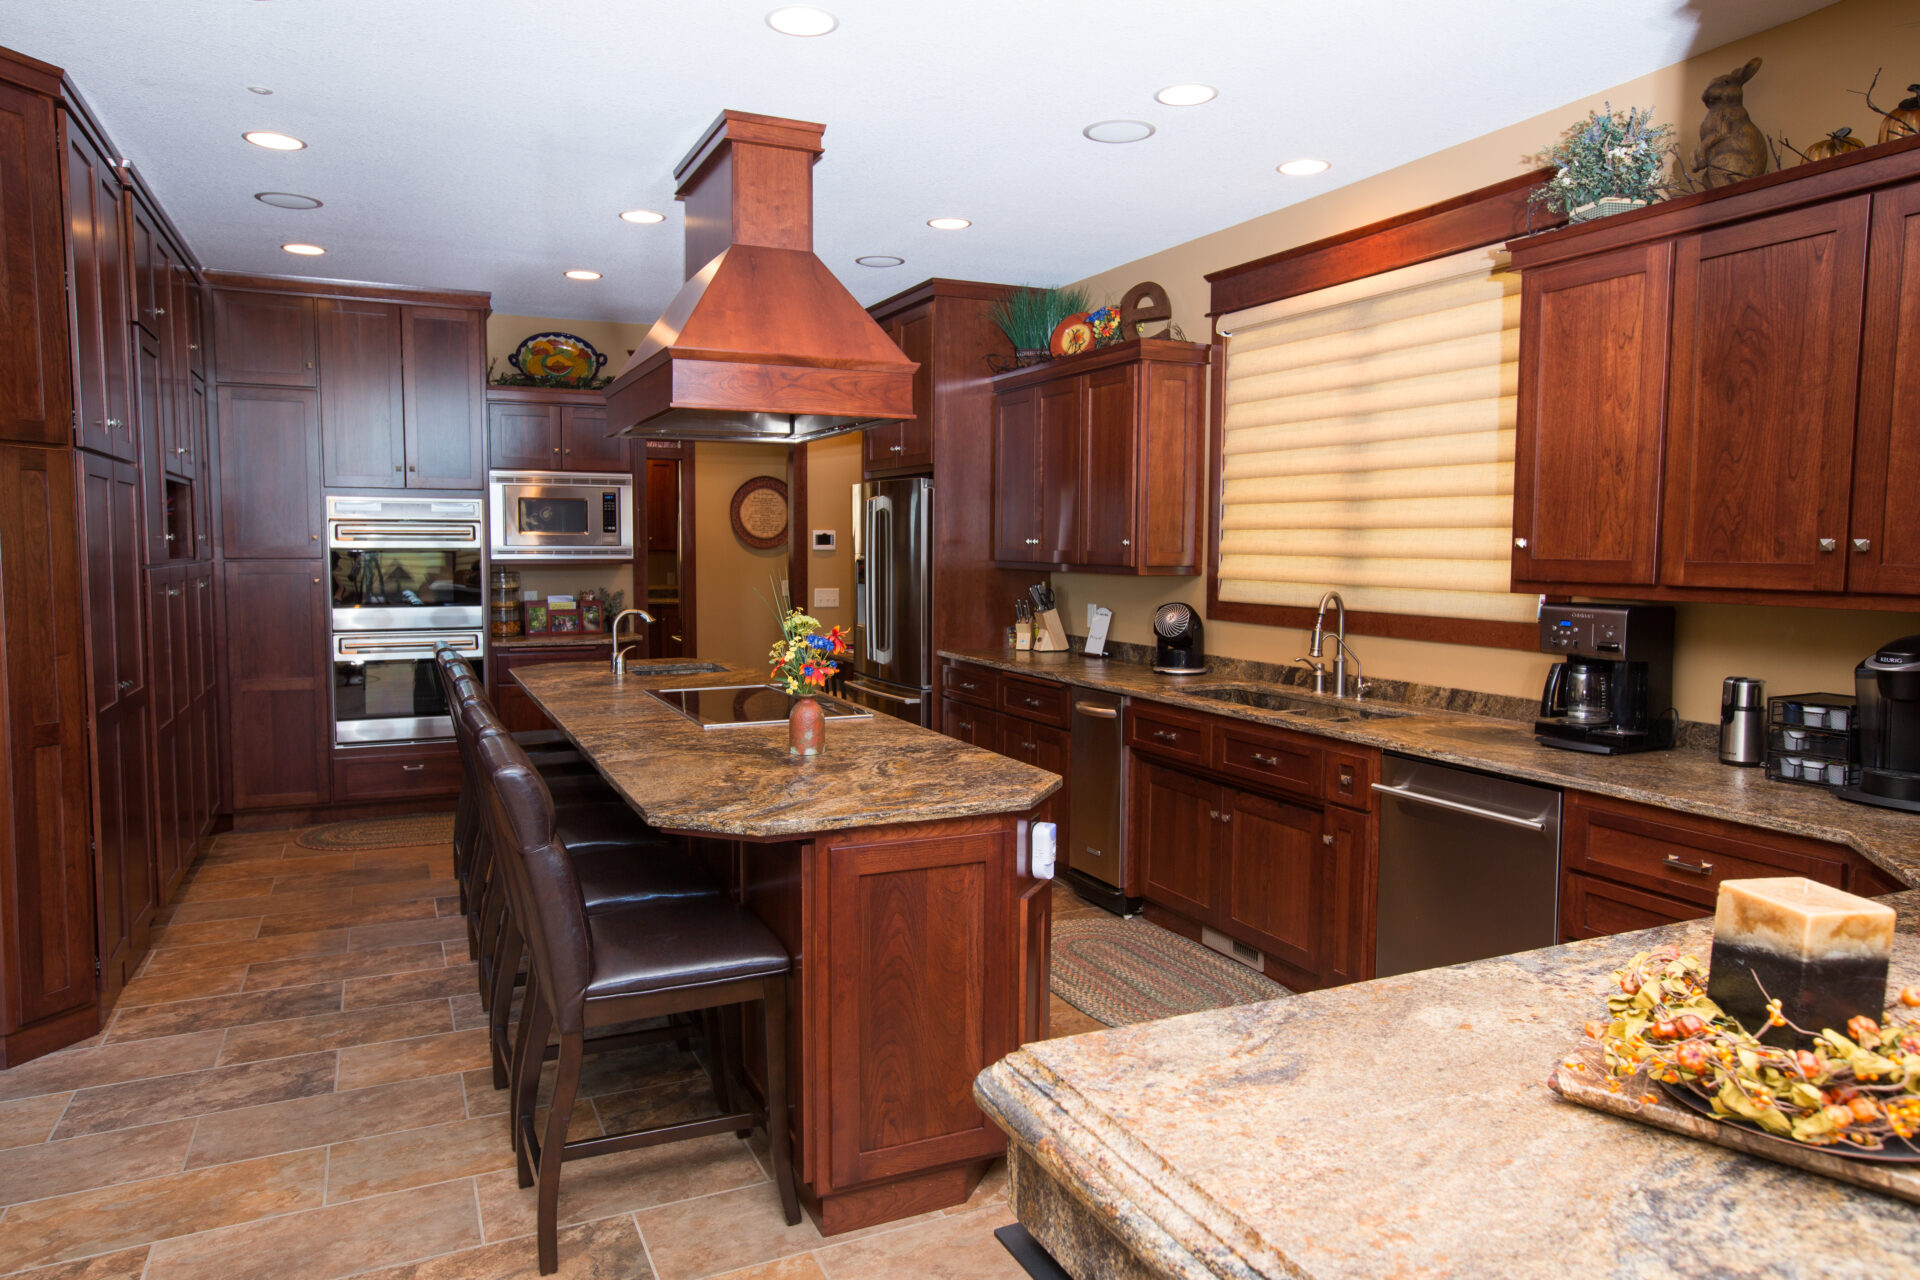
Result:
x=1821 y=952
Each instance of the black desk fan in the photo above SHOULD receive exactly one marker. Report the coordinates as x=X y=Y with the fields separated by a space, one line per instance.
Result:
x=1177 y=641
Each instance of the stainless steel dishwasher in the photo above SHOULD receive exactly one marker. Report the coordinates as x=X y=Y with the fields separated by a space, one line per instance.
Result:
x=1469 y=866
x=1096 y=825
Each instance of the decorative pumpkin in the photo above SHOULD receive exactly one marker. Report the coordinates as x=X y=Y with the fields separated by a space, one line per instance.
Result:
x=1904 y=120
x=1837 y=143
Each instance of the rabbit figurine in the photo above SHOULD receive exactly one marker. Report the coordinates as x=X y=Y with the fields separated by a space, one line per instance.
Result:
x=1731 y=145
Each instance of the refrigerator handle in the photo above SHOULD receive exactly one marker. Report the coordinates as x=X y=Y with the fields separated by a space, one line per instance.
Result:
x=880 y=603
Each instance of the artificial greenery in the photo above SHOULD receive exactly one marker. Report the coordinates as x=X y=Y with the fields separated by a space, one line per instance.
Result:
x=1028 y=316
x=1610 y=154
x=554 y=382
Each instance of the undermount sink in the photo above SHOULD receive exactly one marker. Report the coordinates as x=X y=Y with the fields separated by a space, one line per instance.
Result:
x=1287 y=704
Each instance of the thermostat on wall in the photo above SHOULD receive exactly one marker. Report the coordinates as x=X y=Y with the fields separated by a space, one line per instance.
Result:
x=825 y=539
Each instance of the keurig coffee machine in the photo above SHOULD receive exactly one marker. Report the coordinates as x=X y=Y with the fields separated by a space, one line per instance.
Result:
x=1612 y=690
x=1887 y=713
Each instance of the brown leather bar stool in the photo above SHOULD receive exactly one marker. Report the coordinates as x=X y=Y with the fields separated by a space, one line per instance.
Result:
x=600 y=970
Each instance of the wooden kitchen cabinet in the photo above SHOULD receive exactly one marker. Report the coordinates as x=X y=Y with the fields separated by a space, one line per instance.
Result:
x=270 y=501
x=907 y=444
x=443 y=387
x=1276 y=878
x=1883 y=552
x=535 y=430
x=1172 y=819
x=266 y=339
x=279 y=678
x=975 y=726
x=36 y=391
x=516 y=709
x=103 y=415
x=362 y=439
x=152 y=409
x=1098 y=460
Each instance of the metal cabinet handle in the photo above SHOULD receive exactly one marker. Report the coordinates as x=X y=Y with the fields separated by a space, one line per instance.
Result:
x=316 y=580
x=1327 y=838
x=1029 y=746
x=1829 y=544
x=1162 y=735
x=158 y=311
x=200 y=585
x=1700 y=868
x=1226 y=817
x=179 y=453
x=169 y=537
x=126 y=686
x=1126 y=542
x=411 y=467
x=193 y=346
x=1213 y=815
x=1520 y=543
x=411 y=768
x=1033 y=702
x=898 y=448
x=966 y=726
x=314 y=537
x=115 y=423
x=1863 y=544
x=1269 y=761
x=1033 y=542
x=173 y=591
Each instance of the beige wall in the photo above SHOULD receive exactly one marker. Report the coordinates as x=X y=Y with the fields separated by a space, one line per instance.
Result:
x=734 y=624
x=1801 y=91
x=833 y=468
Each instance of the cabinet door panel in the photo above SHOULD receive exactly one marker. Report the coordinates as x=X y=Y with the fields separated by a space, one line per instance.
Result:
x=270 y=504
x=1172 y=821
x=914 y=437
x=1043 y=747
x=526 y=437
x=663 y=505
x=1276 y=877
x=361 y=441
x=1766 y=343
x=1592 y=408
x=973 y=725
x=1060 y=410
x=150 y=407
x=1888 y=449
x=278 y=682
x=1171 y=449
x=102 y=419
x=1107 y=464
x=183 y=454
x=1016 y=477
x=1351 y=867
x=265 y=339
x=36 y=389
x=1591 y=908
x=444 y=398
x=149 y=296
x=585 y=444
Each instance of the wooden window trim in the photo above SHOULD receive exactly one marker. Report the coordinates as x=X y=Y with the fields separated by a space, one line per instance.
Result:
x=1471 y=221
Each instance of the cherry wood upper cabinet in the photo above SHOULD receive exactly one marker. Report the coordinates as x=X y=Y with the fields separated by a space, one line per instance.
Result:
x=270 y=501
x=1016 y=465
x=1883 y=550
x=36 y=393
x=1060 y=413
x=532 y=429
x=1766 y=357
x=102 y=413
x=443 y=385
x=908 y=443
x=362 y=444
x=1590 y=418
x=266 y=339
x=1106 y=475
x=523 y=436
x=585 y=444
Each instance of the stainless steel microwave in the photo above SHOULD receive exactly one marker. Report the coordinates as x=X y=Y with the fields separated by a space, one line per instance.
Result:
x=561 y=515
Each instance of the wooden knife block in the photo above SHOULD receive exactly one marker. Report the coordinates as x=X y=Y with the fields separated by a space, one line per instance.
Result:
x=1050 y=636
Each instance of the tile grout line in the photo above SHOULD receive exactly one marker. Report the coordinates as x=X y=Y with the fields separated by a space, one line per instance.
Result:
x=646 y=1250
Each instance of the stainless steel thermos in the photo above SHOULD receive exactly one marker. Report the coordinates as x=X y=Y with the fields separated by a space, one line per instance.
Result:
x=1743 y=721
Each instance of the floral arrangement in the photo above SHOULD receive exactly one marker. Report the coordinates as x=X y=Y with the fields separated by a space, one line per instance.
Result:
x=1105 y=323
x=803 y=657
x=1611 y=155
x=1860 y=1087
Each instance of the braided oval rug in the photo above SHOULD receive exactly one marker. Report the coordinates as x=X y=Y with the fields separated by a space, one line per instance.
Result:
x=380 y=833
x=1127 y=971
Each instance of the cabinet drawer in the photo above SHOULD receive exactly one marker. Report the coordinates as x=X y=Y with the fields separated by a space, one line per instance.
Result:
x=1682 y=856
x=1349 y=777
x=973 y=725
x=978 y=685
x=385 y=775
x=1591 y=908
x=1040 y=700
x=1166 y=733
x=1267 y=757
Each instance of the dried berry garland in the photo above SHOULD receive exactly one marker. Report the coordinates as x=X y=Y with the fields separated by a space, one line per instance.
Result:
x=1860 y=1087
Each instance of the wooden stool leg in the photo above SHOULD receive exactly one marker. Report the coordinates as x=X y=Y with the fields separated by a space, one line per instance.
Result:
x=506 y=968
x=536 y=1023
x=778 y=1141
x=553 y=1152
x=726 y=1062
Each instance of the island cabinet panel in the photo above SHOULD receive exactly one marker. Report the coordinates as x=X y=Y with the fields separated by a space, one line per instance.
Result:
x=1590 y=419
x=1884 y=542
x=1174 y=817
x=362 y=441
x=35 y=377
x=1275 y=878
x=920 y=993
x=103 y=375
x=277 y=683
x=270 y=499
x=515 y=707
x=444 y=392
x=1016 y=471
x=1766 y=349
x=266 y=339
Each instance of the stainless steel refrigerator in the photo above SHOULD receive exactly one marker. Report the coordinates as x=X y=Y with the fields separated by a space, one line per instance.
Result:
x=892 y=663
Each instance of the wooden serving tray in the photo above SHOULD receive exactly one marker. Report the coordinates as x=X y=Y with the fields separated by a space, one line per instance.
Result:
x=1588 y=1087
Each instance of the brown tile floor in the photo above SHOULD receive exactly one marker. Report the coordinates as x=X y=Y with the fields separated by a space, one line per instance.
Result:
x=295 y=1087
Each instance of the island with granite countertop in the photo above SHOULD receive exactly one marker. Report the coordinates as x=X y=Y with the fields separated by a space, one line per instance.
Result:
x=896 y=868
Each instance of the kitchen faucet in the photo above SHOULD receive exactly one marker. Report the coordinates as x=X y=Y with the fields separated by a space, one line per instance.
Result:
x=1342 y=651
x=619 y=654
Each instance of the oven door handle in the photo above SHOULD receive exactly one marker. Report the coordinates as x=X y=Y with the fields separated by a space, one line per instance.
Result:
x=904 y=701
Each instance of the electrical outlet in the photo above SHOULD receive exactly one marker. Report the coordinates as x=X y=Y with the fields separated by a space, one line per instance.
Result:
x=826 y=597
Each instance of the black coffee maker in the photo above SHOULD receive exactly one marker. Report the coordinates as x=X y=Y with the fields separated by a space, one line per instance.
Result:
x=1612 y=691
x=1887 y=713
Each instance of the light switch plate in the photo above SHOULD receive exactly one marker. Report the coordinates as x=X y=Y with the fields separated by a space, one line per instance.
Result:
x=826 y=597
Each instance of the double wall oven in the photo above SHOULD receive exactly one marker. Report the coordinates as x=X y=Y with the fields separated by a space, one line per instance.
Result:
x=406 y=579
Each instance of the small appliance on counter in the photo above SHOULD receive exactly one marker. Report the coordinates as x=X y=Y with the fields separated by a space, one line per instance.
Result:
x=1612 y=691
x=1888 y=717
x=1178 y=641
x=1743 y=721
x=1812 y=737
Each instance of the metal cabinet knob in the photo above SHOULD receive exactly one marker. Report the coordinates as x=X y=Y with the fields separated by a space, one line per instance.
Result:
x=1126 y=542
x=115 y=424
x=126 y=686
x=193 y=346
x=1828 y=544
x=396 y=466
x=1214 y=814
x=169 y=537
x=1033 y=542
x=411 y=467
x=898 y=448
x=1226 y=817
x=173 y=591
x=314 y=536
x=178 y=453
x=1863 y=544
x=316 y=580
x=1520 y=543
x=1327 y=838
x=158 y=311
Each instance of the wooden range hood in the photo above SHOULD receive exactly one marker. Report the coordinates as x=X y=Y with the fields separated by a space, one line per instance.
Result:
x=762 y=344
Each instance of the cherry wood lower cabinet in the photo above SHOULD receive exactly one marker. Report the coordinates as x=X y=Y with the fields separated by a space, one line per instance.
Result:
x=278 y=683
x=510 y=702
x=185 y=783
x=410 y=771
x=973 y=725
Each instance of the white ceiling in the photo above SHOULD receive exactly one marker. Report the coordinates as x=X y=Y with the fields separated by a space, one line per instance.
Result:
x=489 y=145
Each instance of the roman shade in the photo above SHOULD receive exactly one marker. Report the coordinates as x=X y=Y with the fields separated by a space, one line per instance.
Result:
x=1367 y=443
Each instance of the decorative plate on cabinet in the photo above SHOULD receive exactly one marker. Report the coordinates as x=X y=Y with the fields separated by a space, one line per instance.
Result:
x=1072 y=336
x=561 y=358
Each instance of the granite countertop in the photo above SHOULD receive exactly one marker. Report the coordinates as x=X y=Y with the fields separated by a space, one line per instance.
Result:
x=1403 y=1127
x=566 y=640
x=1691 y=781
x=742 y=782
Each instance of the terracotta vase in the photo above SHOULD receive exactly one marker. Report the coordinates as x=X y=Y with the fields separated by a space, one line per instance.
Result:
x=806 y=728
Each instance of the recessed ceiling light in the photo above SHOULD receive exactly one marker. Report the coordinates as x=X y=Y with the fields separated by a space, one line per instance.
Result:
x=260 y=89
x=1186 y=95
x=286 y=200
x=880 y=260
x=1118 y=131
x=274 y=141
x=802 y=20
x=643 y=216
x=304 y=250
x=1304 y=168
x=580 y=274
x=949 y=224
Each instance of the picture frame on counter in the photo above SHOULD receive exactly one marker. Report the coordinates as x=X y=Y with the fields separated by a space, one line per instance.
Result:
x=536 y=618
